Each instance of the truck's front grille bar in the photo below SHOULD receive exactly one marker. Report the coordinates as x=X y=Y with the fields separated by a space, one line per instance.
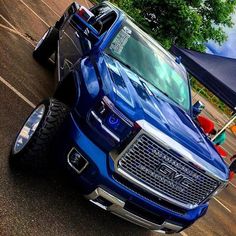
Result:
x=162 y=173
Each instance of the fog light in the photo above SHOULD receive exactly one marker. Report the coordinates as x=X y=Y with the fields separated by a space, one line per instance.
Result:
x=76 y=161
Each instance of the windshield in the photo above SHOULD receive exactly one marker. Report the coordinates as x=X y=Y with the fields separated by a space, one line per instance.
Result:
x=145 y=57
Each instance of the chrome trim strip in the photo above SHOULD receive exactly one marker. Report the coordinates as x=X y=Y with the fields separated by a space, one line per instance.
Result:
x=104 y=127
x=117 y=112
x=71 y=165
x=172 y=226
x=124 y=214
x=102 y=193
x=148 y=199
x=99 y=205
x=155 y=192
x=117 y=208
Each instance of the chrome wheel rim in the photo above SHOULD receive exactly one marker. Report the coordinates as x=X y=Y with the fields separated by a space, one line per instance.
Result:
x=29 y=129
x=41 y=40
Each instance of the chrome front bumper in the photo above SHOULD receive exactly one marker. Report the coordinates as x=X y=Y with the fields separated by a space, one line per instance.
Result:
x=116 y=207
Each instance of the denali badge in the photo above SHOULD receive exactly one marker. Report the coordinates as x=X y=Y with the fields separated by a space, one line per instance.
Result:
x=170 y=160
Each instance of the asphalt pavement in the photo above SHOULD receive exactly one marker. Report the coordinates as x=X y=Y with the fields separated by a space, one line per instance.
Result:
x=50 y=204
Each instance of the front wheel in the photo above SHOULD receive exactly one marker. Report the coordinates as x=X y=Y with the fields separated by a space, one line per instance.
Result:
x=32 y=146
x=47 y=45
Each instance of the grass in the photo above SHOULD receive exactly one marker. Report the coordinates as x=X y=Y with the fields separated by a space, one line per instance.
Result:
x=215 y=101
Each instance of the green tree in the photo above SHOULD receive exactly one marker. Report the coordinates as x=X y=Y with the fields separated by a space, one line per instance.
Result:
x=186 y=23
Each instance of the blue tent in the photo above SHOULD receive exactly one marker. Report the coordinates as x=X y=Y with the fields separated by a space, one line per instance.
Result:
x=216 y=73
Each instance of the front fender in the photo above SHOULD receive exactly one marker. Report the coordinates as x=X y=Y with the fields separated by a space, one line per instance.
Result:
x=68 y=90
x=90 y=86
x=90 y=78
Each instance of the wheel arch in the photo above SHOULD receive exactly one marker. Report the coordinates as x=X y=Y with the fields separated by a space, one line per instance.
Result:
x=68 y=90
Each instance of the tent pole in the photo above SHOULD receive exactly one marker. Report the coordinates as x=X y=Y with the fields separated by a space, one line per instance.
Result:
x=225 y=127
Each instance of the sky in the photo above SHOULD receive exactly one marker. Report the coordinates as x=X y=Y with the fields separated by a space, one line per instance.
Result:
x=228 y=48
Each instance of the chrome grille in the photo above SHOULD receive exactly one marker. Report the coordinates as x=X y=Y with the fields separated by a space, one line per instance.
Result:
x=164 y=173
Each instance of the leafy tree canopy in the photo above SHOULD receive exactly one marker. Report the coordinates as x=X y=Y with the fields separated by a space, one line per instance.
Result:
x=188 y=24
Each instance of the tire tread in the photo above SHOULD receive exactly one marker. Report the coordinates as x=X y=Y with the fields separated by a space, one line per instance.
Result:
x=34 y=156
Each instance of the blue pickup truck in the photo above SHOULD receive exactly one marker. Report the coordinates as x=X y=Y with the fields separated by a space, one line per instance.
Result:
x=121 y=122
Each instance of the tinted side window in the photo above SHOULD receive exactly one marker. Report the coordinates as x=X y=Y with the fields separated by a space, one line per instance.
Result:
x=105 y=18
x=100 y=10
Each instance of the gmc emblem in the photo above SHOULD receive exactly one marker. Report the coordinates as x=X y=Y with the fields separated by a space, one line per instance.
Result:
x=173 y=175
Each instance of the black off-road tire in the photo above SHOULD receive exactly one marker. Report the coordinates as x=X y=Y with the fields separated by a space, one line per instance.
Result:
x=34 y=156
x=46 y=46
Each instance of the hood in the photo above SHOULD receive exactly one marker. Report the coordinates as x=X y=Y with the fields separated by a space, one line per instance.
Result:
x=141 y=101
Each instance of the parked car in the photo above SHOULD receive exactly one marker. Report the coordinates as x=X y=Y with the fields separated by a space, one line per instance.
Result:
x=121 y=122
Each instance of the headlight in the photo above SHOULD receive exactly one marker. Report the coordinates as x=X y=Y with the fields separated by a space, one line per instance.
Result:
x=109 y=122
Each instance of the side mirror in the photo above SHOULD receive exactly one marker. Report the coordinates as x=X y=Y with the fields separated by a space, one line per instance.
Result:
x=84 y=21
x=197 y=108
x=86 y=15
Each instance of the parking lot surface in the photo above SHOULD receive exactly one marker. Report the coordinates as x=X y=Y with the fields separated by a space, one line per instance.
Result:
x=49 y=205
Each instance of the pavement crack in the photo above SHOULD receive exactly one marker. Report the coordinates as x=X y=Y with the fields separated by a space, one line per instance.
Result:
x=30 y=37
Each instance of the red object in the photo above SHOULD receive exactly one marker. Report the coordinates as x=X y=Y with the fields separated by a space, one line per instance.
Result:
x=206 y=124
x=81 y=12
x=221 y=151
x=231 y=175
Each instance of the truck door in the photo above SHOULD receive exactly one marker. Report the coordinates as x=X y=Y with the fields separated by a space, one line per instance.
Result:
x=71 y=47
x=72 y=44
